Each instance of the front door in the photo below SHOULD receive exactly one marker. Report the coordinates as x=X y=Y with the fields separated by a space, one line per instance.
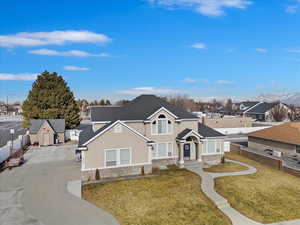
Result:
x=187 y=151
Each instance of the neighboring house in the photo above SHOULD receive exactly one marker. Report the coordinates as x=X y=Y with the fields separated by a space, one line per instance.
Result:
x=145 y=133
x=283 y=138
x=47 y=132
x=262 y=111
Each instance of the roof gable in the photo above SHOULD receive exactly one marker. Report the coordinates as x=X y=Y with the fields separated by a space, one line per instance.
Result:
x=159 y=111
x=261 y=108
x=88 y=136
x=58 y=125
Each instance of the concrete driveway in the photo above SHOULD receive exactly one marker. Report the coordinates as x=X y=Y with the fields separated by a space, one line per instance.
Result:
x=41 y=183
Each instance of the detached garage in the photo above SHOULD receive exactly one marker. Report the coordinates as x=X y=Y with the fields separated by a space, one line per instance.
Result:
x=47 y=132
x=284 y=138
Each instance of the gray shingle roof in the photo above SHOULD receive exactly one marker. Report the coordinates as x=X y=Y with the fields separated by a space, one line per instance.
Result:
x=261 y=108
x=183 y=133
x=139 y=108
x=206 y=131
x=89 y=133
x=58 y=125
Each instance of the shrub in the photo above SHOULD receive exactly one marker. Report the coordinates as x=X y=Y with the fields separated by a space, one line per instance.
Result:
x=223 y=159
x=143 y=170
x=97 y=175
x=155 y=170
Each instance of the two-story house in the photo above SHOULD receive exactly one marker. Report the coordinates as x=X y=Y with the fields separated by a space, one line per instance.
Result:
x=145 y=133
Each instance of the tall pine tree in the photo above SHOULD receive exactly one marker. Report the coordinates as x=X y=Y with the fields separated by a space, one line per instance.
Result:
x=51 y=98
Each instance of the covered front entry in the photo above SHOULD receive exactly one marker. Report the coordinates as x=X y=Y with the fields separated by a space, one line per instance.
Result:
x=187 y=151
x=189 y=148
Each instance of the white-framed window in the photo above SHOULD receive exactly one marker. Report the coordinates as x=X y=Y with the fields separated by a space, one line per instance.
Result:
x=117 y=157
x=212 y=146
x=111 y=158
x=162 y=150
x=118 y=128
x=161 y=126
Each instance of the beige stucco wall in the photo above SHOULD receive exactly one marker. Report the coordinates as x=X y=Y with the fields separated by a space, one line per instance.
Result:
x=94 y=157
x=261 y=144
x=45 y=129
x=97 y=126
x=61 y=137
x=227 y=122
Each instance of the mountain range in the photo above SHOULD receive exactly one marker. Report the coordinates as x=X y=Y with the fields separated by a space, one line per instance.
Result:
x=289 y=98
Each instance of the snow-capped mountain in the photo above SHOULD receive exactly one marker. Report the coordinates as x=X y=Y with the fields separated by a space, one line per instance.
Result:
x=289 y=98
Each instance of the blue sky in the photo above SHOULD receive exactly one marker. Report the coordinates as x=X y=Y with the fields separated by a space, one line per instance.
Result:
x=121 y=48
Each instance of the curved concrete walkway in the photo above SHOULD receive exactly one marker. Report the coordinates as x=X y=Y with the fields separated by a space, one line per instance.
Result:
x=207 y=185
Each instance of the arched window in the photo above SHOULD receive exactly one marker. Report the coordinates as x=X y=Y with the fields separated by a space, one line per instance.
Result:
x=161 y=125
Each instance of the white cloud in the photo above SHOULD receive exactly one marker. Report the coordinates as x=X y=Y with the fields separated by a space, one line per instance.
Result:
x=262 y=50
x=199 y=45
x=224 y=82
x=295 y=50
x=213 y=8
x=291 y=9
x=76 y=68
x=26 y=39
x=75 y=53
x=193 y=80
x=149 y=90
x=189 y=80
x=20 y=76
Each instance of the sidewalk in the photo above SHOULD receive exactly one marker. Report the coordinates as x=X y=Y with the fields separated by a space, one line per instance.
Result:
x=207 y=185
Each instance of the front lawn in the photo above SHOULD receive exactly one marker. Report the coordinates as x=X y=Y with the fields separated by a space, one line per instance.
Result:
x=226 y=167
x=268 y=196
x=172 y=198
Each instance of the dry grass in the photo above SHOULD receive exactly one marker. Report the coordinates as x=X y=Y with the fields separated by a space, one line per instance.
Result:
x=268 y=196
x=226 y=167
x=172 y=198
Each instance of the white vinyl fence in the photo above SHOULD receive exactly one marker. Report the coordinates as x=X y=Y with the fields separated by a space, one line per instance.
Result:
x=72 y=134
x=18 y=144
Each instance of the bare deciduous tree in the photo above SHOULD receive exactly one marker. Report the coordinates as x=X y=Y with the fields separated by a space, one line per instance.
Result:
x=279 y=112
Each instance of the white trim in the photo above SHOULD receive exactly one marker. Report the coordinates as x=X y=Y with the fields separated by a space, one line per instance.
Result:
x=191 y=119
x=193 y=132
x=205 y=143
x=133 y=121
x=82 y=161
x=100 y=168
x=109 y=127
x=167 y=126
x=82 y=148
x=163 y=157
x=118 y=159
x=252 y=107
x=100 y=122
x=162 y=108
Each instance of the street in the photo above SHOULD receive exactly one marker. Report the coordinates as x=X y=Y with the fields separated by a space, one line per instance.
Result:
x=5 y=127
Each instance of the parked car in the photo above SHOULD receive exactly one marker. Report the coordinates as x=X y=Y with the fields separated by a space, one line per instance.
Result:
x=269 y=151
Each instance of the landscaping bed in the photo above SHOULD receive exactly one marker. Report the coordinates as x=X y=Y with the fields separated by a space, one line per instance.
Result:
x=225 y=167
x=267 y=196
x=172 y=198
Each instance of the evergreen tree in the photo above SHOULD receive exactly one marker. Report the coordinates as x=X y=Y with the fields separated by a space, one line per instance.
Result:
x=107 y=102
x=102 y=102
x=51 y=98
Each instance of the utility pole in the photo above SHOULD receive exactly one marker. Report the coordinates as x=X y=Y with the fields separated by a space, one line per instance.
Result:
x=7 y=105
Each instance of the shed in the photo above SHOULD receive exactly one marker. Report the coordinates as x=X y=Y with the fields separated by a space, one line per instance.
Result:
x=47 y=132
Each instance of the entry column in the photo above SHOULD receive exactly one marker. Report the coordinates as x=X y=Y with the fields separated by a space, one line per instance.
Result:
x=181 y=156
x=198 y=153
